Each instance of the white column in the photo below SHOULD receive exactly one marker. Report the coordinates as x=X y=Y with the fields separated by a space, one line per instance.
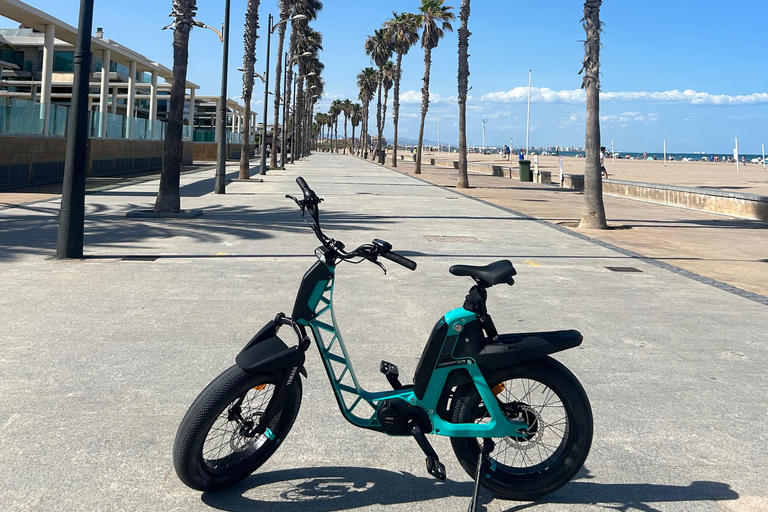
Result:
x=130 y=112
x=153 y=104
x=216 y=120
x=114 y=99
x=50 y=31
x=191 y=114
x=105 y=58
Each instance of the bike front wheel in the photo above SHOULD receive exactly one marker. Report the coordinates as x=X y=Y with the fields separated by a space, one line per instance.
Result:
x=548 y=397
x=212 y=450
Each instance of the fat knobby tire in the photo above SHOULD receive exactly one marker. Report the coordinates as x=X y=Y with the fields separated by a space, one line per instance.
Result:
x=536 y=484
x=193 y=430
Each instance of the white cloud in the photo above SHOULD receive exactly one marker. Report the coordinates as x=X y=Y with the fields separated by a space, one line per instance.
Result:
x=538 y=94
x=630 y=117
x=547 y=95
x=415 y=97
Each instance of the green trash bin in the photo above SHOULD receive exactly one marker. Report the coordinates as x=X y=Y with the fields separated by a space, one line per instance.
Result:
x=525 y=170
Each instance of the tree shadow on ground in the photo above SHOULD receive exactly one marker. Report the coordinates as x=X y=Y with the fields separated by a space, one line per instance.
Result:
x=33 y=230
x=327 y=489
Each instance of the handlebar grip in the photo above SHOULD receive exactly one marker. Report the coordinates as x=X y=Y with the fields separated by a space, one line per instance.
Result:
x=400 y=260
x=304 y=188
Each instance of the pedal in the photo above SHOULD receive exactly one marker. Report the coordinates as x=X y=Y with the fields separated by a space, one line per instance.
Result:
x=436 y=468
x=391 y=372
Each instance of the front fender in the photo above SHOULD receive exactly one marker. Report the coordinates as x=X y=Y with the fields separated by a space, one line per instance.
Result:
x=266 y=352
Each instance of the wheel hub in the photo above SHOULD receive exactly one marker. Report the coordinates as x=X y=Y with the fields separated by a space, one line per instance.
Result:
x=523 y=412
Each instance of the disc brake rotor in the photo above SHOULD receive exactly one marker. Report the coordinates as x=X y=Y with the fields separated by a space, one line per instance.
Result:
x=525 y=413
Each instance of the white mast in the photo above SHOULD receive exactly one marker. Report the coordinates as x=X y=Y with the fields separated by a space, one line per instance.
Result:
x=528 y=125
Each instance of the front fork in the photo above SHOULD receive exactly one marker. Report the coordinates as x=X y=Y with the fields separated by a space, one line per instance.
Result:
x=249 y=428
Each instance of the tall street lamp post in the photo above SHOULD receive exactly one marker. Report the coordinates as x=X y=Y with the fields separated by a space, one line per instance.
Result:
x=72 y=213
x=272 y=28
x=221 y=167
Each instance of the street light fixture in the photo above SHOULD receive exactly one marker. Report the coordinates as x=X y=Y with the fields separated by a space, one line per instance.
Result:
x=221 y=165
x=200 y=24
x=272 y=28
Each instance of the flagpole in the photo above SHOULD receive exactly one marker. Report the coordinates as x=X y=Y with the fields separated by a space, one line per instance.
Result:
x=528 y=125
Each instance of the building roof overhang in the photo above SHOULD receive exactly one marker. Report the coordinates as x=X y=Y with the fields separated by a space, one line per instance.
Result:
x=37 y=19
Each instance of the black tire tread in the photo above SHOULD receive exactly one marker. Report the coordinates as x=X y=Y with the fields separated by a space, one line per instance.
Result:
x=198 y=414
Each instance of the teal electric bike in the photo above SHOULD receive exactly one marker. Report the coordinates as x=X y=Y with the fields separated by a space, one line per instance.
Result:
x=520 y=422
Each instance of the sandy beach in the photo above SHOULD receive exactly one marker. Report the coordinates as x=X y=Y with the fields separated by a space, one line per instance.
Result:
x=751 y=178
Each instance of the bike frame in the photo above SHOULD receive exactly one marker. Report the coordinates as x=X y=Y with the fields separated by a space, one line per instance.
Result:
x=351 y=396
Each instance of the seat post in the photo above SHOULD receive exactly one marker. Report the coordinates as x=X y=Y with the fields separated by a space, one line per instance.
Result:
x=475 y=301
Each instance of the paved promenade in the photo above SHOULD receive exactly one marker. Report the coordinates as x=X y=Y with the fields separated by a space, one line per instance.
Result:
x=726 y=249
x=100 y=358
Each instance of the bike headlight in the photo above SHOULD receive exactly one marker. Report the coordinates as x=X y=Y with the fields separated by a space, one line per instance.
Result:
x=320 y=253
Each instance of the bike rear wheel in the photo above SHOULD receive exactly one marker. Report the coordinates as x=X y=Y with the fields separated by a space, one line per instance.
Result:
x=211 y=452
x=548 y=397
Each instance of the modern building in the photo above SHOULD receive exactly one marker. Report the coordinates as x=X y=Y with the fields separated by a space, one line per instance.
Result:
x=128 y=98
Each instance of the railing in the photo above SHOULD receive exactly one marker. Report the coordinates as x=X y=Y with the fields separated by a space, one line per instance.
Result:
x=28 y=117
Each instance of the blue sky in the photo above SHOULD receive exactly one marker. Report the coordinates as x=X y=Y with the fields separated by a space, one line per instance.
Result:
x=693 y=73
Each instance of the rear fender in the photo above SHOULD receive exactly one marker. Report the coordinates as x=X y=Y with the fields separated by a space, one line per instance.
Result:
x=512 y=349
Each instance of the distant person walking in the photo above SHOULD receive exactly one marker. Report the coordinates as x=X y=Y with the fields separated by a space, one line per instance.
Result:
x=522 y=154
x=602 y=162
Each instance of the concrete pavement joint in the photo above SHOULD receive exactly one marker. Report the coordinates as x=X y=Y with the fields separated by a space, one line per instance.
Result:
x=761 y=299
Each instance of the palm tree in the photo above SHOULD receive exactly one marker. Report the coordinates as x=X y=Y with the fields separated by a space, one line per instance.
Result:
x=464 y=33
x=387 y=80
x=593 y=212
x=356 y=116
x=367 y=80
x=320 y=120
x=379 y=48
x=249 y=62
x=168 y=198
x=286 y=6
x=434 y=18
x=309 y=41
x=346 y=108
x=329 y=122
x=335 y=110
x=405 y=33
x=308 y=8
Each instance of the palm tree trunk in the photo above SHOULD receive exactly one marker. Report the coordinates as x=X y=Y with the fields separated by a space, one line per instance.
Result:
x=336 y=135
x=364 y=145
x=383 y=124
x=289 y=125
x=168 y=198
x=352 y=149
x=299 y=110
x=464 y=33
x=284 y=13
x=396 y=106
x=344 y=150
x=424 y=106
x=249 y=62
x=378 y=117
x=593 y=212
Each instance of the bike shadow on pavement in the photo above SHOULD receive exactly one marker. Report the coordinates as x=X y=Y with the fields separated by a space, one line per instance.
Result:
x=631 y=496
x=326 y=489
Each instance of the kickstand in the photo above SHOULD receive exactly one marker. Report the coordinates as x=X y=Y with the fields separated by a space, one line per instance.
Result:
x=487 y=448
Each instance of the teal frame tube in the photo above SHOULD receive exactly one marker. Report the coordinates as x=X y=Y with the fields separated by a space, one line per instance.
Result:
x=353 y=399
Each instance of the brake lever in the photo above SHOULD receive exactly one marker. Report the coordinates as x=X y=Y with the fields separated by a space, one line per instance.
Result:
x=378 y=264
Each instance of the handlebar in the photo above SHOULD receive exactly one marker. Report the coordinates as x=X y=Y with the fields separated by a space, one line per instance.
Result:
x=400 y=260
x=308 y=193
x=369 y=252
